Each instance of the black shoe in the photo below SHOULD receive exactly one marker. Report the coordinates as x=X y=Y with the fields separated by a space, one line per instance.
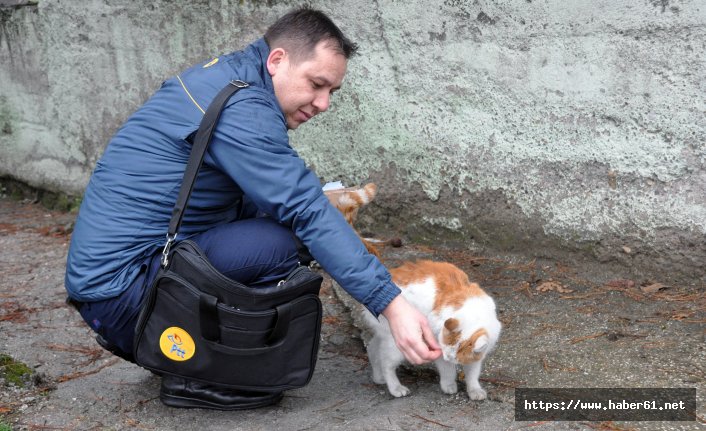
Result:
x=180 y=392
x=112 y=348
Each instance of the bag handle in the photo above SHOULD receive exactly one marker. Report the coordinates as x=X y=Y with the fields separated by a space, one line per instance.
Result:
x=284 y=315
x=198 y=151
x=208 y=317
x=273 y=344
x=209 y=323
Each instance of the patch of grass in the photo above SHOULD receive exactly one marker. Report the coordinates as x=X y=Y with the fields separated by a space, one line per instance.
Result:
x=4 y=426
x=14 y=372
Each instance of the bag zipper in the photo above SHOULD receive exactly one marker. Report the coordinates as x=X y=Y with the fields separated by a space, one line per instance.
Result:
x=228 y=281
x=298 y=270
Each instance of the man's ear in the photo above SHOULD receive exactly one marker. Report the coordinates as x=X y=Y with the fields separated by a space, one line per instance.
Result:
x=275 y=59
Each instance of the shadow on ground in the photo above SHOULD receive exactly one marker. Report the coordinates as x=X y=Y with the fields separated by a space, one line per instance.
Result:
x=560 y=330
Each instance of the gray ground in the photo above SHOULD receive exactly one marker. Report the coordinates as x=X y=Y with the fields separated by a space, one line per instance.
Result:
x=562 y=328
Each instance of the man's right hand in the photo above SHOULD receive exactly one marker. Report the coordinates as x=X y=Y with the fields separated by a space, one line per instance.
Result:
x=411 y=332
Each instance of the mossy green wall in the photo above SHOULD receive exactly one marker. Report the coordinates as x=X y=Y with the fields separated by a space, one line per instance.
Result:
x=546 y=127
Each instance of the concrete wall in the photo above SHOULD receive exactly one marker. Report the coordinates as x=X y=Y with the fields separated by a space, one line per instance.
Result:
x=555 y=127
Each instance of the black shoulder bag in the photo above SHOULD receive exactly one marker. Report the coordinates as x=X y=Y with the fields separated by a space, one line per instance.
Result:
x=198 y=324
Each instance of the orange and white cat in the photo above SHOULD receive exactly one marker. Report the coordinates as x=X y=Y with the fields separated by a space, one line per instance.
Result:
x=461 y=315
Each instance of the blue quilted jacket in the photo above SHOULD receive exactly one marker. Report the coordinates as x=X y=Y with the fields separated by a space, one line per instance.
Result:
x=128 y=202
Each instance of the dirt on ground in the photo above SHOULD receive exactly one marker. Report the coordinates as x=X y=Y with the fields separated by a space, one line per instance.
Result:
x=563 y=327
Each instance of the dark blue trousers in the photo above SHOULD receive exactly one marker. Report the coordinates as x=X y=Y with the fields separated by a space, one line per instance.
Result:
x=255 y=252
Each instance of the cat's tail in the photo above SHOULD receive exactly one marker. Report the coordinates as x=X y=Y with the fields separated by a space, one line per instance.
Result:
x=349 y=203
x=358 y=198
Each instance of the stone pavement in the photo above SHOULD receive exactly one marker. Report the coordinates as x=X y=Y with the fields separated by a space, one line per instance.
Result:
x=564 y=326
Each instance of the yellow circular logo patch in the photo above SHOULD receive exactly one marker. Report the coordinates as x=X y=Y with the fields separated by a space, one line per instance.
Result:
x=177 y=344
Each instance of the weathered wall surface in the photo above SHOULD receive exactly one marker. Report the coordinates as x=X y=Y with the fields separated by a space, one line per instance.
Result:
x=545 y=127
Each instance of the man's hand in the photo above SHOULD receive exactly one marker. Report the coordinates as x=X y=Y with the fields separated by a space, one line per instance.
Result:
x=411 y=332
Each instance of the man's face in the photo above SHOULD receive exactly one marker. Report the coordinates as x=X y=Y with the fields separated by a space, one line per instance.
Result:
x=303 y=89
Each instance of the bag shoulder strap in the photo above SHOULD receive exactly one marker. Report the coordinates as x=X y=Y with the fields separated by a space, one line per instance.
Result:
x=198 y=151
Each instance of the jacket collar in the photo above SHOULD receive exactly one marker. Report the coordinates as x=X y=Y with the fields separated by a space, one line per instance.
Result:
x=260 y=51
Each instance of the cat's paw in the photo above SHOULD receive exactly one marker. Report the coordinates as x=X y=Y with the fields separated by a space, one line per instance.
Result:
x=399 y=391
x=476 y=394
x=449 y=388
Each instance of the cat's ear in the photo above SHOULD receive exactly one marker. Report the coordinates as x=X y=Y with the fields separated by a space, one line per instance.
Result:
x=451 y=325
x=451 y=332
x=481 y=344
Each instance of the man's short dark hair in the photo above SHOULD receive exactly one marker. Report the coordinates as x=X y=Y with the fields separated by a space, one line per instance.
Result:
x=300 y=30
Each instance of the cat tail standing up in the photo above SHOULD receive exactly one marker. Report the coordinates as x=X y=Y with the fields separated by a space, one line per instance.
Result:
x=348 y=201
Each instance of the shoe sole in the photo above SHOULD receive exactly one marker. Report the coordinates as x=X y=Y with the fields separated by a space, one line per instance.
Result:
x=195 y=403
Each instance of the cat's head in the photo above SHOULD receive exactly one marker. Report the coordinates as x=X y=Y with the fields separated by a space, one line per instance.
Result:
x=461 y=348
